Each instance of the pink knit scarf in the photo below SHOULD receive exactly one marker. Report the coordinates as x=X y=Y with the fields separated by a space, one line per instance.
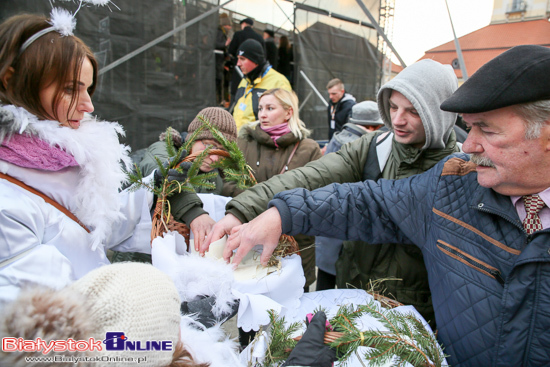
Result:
x=32 y=152
x=276 y=131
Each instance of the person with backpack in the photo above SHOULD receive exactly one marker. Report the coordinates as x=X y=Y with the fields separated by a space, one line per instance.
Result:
x=420 y=135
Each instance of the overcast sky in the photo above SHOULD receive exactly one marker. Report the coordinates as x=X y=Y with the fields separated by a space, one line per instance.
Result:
x=420 y=25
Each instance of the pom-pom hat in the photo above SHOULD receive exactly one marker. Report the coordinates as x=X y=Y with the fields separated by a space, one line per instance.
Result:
x=218 y=117
x=519 y=75
x=132 y=298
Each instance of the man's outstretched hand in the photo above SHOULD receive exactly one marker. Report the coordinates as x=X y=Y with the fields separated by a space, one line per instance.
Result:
x=264 y=230
x=220 y=229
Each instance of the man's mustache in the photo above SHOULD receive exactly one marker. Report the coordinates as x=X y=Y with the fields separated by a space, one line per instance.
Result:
x=481 y=161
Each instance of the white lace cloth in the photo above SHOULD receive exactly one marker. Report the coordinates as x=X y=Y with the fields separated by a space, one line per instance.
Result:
x=258 y=292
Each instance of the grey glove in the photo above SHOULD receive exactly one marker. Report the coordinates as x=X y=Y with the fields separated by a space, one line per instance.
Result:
x=176 y=175
x=173 y=174
x=202 y=308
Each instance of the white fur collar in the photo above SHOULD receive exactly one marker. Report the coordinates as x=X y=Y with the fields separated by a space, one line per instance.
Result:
x=96 y=148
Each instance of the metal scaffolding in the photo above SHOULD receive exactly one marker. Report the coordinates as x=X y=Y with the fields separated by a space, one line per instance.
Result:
x=387 y=12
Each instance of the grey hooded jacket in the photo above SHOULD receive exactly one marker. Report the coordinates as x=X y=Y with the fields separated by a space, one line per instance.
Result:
x=427 y=83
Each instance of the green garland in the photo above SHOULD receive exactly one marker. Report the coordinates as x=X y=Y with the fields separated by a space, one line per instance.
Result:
x=407 y=340
x=234 y=167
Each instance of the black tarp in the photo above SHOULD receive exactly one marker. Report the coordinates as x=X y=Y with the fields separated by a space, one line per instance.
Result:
x=168 y=84
x=327 y=48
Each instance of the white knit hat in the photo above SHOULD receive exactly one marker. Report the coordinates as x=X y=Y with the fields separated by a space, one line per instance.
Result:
x=135 y=299
x=138 y=300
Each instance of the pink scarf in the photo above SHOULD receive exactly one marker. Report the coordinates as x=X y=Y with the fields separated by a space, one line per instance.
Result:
x=276 y=131
x=32 y=152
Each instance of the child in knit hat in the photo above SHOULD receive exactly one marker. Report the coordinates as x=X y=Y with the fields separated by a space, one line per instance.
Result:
x=218 y=117
x=223 y=121
x=187 y=207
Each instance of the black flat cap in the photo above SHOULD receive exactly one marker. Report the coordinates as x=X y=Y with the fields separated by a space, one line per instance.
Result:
x=519 y=75
x=248 y=21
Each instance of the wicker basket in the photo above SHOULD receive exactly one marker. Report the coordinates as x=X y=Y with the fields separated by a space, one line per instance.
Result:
x=170 y=223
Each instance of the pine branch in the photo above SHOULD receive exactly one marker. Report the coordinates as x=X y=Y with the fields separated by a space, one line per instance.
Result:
x=281 y=340
x=407 y=340
x=234 y=167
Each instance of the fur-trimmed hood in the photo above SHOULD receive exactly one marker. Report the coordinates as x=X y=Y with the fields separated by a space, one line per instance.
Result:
x=102 y=159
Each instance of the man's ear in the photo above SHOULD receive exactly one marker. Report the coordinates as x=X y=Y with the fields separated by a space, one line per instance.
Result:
x=7 y=76
x=546 y=135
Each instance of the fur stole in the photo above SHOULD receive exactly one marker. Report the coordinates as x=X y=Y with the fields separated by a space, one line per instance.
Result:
x=102 y=159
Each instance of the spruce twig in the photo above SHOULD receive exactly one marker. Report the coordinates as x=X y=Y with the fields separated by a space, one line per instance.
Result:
x=281 y=340
x=407 y=340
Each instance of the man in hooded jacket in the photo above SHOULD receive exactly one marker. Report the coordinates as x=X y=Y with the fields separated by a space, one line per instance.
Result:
x=421 y=135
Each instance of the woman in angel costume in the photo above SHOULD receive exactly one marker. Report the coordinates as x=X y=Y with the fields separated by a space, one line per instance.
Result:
x=50 y=142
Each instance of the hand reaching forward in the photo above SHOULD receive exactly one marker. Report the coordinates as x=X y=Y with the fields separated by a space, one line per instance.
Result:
x=201 y=226
x=263 y=230
x=220 y=229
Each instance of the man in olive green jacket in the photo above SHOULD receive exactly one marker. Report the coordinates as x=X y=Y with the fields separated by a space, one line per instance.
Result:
x=421 y=135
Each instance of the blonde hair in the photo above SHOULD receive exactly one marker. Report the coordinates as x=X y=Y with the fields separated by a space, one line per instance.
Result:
x=289 y=99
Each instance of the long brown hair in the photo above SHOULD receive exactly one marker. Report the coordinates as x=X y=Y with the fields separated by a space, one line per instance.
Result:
x=51 y=58
x=284 y=43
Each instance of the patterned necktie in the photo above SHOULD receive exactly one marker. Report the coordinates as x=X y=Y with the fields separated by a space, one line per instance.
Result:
x=533 y=205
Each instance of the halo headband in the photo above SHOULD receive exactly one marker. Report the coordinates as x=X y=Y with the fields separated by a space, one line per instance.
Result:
x=62 y=21
x=34 y=37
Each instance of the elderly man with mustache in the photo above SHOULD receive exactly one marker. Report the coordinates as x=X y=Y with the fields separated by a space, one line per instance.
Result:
x=481 y=220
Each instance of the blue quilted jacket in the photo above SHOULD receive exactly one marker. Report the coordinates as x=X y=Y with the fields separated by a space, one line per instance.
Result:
x=490 y=281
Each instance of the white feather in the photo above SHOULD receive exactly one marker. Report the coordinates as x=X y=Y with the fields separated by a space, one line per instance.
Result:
x=198 y=276
x=96 y=148
x=210 y=345
x=63 y=21
x=97 y=2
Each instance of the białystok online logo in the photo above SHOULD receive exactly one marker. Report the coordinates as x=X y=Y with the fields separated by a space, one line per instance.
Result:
x=114 y=341
x=118 y=341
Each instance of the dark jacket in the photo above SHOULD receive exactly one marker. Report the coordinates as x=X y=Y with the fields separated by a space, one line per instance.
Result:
x=266 y=160
x=348 y=165
x=341 y=111
x=284 y=65
x=239 y=37
x=271 y=53
x=490 y=281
